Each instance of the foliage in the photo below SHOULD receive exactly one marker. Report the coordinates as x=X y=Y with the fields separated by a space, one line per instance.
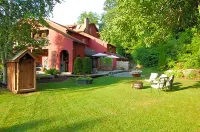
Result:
x=121 y=68
x=135 y=71
x=156 y=33
x=106 y=61
x=93 y=17
x=84 y=78
x=78 y=66
x=147 y=57
x=191 y=75
x=147 y=22
x=18 y=19
x=179 y=74
x=52 y=71
x=87 y=65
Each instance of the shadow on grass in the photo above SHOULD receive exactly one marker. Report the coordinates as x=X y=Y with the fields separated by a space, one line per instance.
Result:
x=25 y=126
x=179 y=86
x=3 y=90
x=77 y=126
x=70 y=84
x=44 y=125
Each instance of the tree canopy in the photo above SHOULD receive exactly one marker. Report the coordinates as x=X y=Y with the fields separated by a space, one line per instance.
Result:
x=152 y=25
x=93 y=17
x=18 y=19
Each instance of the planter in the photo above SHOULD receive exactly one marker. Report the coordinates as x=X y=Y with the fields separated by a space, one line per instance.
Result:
x=137 y=85
x=84 y=81
x=89 y=81
x=136 y=75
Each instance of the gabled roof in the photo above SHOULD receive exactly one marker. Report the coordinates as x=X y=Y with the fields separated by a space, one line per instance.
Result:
x=62 y=30
x=97 y=39
x=80 y=27
x=20 y=54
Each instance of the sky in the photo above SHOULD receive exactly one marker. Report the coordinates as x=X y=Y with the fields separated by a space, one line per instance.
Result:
x=68 y=11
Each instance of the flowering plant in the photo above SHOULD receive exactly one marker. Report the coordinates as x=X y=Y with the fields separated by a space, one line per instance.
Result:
x=136 y=71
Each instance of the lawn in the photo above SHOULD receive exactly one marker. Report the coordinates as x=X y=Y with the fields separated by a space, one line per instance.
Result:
x=110 y=104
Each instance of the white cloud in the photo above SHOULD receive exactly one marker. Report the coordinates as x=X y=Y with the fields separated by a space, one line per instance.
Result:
x=68 y=11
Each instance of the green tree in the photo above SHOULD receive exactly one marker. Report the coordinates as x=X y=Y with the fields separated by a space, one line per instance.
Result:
x=78 y=66
x=87 y=65
x=93 y=17
x=18 y=19
x=148 y=22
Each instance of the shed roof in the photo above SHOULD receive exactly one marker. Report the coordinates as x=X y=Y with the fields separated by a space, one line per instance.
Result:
x=20 y=54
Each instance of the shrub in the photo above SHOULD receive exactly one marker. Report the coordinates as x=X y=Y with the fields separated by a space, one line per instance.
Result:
x=192 y=75
x=170 y=73
x=87 y=65
x=78 y=66
x=148 y=57
x=52 y=71
x=179 y=74
x=84 y=78
x=106 y=61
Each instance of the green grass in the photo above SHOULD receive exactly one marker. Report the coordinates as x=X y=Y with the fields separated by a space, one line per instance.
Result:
x=110 y=104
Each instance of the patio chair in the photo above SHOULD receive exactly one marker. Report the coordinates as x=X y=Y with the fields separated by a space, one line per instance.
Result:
x=170 y=82
x=152 y=77
x=160 y=84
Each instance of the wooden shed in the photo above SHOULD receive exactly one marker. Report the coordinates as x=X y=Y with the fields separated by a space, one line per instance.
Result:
x=21 y=72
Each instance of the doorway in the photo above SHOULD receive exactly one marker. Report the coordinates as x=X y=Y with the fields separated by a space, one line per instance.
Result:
x=64 y=61
x=26 y=72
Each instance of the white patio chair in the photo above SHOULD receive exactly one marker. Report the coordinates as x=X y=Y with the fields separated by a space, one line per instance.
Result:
x=160 y=84
x=152 y=77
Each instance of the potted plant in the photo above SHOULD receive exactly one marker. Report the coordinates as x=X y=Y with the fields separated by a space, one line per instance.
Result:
x=84 y=80
x=121 y=68
x=136 y=73
x=89 y=80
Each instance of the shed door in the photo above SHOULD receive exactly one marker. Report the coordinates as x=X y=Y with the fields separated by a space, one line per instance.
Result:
x=26 y=74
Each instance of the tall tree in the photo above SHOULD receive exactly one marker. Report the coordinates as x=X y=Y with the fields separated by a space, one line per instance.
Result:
x=93 y=17
x=18 y=19
x=147 y=22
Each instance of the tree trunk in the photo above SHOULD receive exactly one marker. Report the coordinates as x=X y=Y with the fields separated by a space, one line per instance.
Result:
x=4 y=74
x=4 y=67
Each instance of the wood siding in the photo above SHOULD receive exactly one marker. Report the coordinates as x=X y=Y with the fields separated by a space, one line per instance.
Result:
x=11 y=76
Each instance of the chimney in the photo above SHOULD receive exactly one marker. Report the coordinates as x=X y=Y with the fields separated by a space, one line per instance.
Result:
x=86 y=24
